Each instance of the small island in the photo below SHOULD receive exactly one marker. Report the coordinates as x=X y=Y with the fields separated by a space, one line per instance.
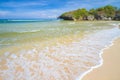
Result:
x=103 y=13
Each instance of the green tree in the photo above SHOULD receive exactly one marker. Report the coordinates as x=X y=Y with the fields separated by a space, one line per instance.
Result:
x=117 y=15
x=80 y=13
x=92 y=12
x=103 y=13
x=100 y=11
x=110 y=11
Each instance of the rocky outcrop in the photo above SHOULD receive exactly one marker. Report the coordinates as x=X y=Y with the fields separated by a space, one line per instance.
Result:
x=67 y=17
x=104 y=13
x=90 y=17
x=117 y=18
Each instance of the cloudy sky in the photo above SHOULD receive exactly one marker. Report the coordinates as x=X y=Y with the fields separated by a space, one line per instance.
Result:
x=47 y=8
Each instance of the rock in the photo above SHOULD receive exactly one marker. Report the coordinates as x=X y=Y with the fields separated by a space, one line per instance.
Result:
x=90 y=17
x=106 y=13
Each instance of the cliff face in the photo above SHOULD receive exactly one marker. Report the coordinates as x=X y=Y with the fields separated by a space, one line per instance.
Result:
x=66 y=17
x=103 y=13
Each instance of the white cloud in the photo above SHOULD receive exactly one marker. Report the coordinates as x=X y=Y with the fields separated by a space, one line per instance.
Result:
x=52 y=13
x=88 y=4
x=104 y=2
x=20 y=10
x=78 y=4
x=23 y=4
x=4 y=13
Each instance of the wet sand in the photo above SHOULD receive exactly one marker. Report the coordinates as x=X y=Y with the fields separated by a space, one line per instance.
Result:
x=110 y=70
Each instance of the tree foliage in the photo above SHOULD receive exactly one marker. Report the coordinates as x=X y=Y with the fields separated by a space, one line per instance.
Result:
x=99 y=13
x=80 y=13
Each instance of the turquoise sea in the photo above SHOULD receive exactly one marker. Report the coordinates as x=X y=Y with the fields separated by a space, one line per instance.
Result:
x=52 y=49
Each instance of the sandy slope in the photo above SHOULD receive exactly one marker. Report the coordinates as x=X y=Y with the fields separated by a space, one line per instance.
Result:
x=110 y=70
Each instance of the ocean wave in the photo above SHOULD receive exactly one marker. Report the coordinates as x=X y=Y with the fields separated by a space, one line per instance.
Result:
x=62 y=62
x=19 y=32
x=101 y=59
x=30 y=31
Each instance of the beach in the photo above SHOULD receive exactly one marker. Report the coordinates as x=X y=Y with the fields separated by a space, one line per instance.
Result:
x=59 y=40
x=52 y=50
x=110 y=68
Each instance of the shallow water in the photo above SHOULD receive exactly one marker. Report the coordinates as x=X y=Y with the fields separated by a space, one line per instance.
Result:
x=56 y=50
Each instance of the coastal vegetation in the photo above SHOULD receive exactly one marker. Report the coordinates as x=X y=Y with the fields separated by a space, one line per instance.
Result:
x=103 y=13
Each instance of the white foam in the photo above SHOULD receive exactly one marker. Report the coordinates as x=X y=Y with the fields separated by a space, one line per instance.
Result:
x=65 y=62
x=32 y=51
x=13 y=56
x=6 y=53
x=101 y=61
x=100 y=54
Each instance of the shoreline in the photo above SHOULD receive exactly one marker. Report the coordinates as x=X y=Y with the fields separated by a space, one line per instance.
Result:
x=55 y=59
x=101 y=61
x=92 y=74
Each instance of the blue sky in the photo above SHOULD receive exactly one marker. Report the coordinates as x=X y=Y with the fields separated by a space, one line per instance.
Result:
x=47 y=8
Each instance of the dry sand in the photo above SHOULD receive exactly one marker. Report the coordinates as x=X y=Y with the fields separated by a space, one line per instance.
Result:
x=110 y=70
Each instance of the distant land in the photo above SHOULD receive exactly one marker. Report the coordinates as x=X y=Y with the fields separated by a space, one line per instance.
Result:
x=107 y=12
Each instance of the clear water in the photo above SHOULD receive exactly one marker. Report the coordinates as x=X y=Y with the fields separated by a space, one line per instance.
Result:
x=52 y=50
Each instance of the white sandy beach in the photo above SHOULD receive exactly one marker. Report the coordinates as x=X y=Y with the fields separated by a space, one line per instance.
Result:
x=111 y=64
